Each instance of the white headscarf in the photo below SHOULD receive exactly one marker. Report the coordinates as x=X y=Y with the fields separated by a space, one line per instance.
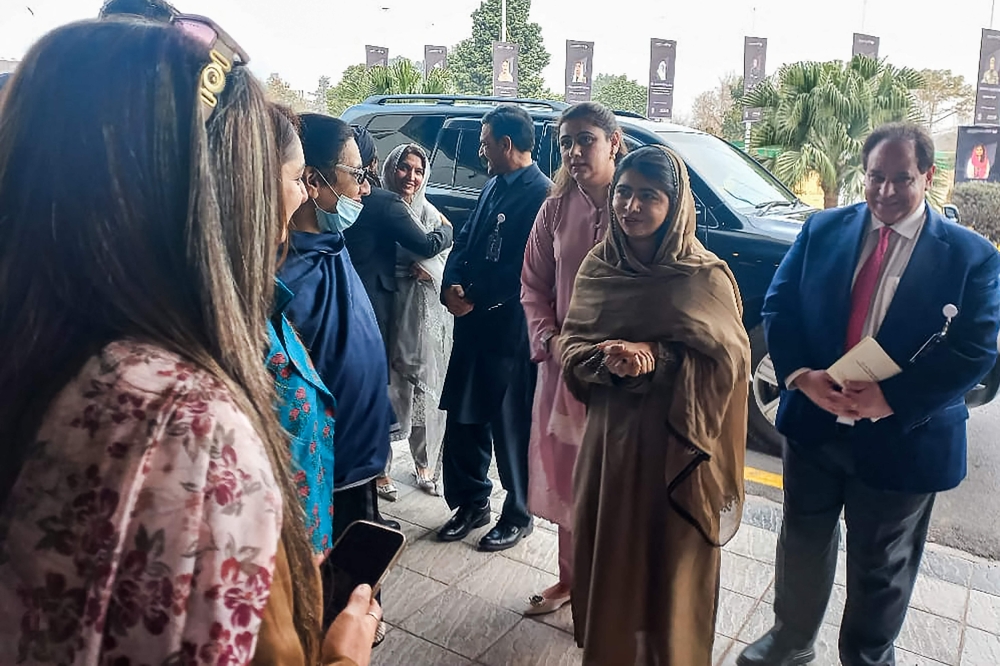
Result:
x=424 y=214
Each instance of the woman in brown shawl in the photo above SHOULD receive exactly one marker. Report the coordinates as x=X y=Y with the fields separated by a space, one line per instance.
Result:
x=655 y=347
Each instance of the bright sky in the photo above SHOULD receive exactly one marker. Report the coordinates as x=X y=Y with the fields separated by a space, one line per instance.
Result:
x=306 y=39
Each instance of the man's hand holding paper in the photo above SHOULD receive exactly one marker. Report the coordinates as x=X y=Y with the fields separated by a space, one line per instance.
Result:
x=824 y=391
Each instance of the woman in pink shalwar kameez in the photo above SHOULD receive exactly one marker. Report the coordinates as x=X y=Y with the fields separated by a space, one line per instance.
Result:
x=570 y=223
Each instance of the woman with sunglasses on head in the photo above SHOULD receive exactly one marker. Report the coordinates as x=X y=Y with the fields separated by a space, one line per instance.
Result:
x=147 y=512
x=334 y=317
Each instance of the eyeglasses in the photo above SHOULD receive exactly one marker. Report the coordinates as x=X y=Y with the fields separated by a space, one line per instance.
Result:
x=359 y=174
x=224 y=51
x=900 y=182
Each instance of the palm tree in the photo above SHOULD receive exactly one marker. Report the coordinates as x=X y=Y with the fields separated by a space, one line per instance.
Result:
x=818 y=114
x=401 y=77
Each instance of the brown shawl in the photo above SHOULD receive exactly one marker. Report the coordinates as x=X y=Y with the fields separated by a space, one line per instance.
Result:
x=686 y=298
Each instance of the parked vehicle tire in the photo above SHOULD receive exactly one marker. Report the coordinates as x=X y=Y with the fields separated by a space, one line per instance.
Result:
x=762 y=436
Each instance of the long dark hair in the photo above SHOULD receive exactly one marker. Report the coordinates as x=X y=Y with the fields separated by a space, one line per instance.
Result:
x=128 y=217
x=597 y=115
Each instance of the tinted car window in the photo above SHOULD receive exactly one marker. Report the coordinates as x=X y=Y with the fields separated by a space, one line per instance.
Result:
x=443 y=159
x=470 y=172
x=740 y=181
x=390 y=131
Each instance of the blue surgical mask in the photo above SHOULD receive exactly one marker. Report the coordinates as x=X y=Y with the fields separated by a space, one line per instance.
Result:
x=346 y=214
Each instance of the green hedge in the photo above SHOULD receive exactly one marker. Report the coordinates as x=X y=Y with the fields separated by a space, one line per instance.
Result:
x=979 y=205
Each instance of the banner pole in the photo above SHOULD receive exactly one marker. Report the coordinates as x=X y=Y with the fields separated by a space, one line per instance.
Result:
x=503 y=20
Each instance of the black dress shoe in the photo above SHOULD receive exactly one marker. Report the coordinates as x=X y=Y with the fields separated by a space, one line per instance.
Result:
x=503 y=536
x=466 y=519
x=391 y=524
x=771 y=650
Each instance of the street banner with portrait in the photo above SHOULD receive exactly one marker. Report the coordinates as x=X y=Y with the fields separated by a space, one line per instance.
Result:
x=662 y=65
x=376 y=56
x=976 y=154
x=435 y=57
x=579 y=71
x=754 y=68
x=505 y=69
x=988 y=81
x=866 y=45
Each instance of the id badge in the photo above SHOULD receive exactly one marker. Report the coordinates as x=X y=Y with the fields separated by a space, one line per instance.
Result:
x=496 y=240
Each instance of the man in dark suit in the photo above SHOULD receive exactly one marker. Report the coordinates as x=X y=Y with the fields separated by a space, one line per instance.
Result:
x=384 y=223
x=491 y=381
x=879 y=451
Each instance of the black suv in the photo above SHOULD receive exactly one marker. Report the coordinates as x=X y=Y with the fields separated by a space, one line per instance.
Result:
x=745 y=215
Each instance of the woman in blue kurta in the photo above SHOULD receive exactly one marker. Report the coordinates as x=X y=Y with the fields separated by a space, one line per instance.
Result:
x=305 y=406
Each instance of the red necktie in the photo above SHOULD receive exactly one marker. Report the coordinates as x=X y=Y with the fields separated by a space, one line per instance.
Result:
x=864 y=288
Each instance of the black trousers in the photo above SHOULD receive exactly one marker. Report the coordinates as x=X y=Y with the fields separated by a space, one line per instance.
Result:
x=357 y=503
x=885 y=542
x=468 y=450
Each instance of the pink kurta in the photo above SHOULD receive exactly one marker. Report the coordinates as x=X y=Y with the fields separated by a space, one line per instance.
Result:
x=565 y=230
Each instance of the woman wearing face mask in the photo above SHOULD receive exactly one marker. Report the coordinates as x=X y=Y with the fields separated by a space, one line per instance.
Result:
x=654 y=346
x=421 y=347
x=570 y=223
x=334 y=317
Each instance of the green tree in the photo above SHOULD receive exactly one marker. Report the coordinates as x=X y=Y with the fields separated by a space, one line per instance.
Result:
x=278 y=90
x=402 y=77
x=618 y=92
x=944 y=95
x=818 y=114
x=719 y=111
x=351 y=89
x=321 y=95
x=471 y=61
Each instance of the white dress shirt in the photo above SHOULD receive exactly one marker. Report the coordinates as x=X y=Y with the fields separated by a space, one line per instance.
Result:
x=904 y=238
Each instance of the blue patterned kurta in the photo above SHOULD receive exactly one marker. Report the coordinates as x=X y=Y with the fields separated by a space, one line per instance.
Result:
x=306 y=410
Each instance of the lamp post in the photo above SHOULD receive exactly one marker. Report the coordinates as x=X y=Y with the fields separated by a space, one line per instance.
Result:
x=503 y=20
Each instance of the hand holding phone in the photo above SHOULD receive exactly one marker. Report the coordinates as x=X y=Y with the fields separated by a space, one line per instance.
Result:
x=363 y=555
x=353 y=632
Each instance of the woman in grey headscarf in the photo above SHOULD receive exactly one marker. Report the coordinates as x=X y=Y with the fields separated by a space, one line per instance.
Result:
x=419 y=352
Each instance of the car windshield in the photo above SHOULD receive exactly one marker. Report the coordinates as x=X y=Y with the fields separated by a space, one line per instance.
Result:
x=743 y=183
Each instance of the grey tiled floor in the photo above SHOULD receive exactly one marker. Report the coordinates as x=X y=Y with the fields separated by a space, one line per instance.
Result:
x=450 y=605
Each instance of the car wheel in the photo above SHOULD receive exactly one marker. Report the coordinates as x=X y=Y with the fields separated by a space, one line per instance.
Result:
x=764 y=398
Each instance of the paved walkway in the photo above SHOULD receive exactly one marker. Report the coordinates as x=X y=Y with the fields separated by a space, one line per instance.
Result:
x=450 y=605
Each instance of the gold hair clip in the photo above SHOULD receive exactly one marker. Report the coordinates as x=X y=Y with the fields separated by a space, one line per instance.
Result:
x=213 y=78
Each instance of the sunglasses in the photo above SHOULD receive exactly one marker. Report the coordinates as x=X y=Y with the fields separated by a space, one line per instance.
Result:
x=224 y=51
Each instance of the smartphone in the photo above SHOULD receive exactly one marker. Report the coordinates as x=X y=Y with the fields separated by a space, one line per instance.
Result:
x=364 y=554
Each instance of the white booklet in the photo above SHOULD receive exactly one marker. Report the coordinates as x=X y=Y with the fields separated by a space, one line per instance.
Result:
x=866 y=362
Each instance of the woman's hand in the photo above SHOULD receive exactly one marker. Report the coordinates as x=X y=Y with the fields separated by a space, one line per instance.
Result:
x=444 y=220
x=351 y=635
x=628 y=359
x=418 y=272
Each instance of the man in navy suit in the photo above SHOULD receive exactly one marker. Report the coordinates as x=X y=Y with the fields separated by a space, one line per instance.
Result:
x=491 y=381
x=877 y=451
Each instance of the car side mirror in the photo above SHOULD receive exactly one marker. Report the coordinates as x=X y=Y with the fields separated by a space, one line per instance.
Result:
x=951 y=212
